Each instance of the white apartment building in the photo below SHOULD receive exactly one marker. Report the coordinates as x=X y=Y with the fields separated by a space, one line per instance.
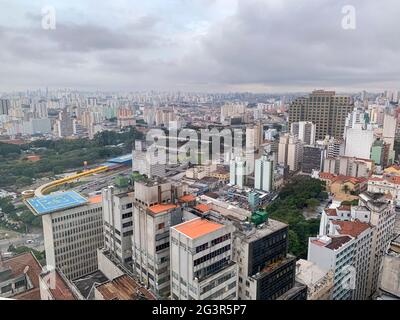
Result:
x=362 y=233
x=72 y=230
x=263 y=174
x=238 y=171
x=118 y=223
x=370 y=225
x=201 y=261
x=334 y=253
x=385 y=185
x=290 y=152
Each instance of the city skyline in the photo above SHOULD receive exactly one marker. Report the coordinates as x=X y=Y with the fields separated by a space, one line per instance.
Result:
x=196 y=46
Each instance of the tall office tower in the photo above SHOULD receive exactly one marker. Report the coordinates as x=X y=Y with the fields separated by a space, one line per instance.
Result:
x=72 y=229
x=266 y=272
x=237 y=168
x=201 y=265
x=313 y=159
x=118 y=224
x=4 y=106
x=358 y=135
x=263 y=175
x=154 y=213
x=290 y=152
x=334 y=253
x=65 y=124
x=323 y=108
x=305 y=131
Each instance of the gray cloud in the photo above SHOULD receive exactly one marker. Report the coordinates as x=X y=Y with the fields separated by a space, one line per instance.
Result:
x=267 y=44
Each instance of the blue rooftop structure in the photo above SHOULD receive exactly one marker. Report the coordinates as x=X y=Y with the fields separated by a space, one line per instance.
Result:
x=56 y=202
x=126 y=159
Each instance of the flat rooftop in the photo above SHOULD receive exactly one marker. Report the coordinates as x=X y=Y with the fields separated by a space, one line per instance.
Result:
x=56 y=202
x=124 y=288
x=197 y=228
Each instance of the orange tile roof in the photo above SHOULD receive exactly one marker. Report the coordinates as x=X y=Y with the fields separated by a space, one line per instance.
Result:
x=395 y=179
x=202 y=207
x=376 y=179
x=331 y=212
x=352 y=228
x=187 y=198
x=198 y=227
x=96 y=199
x=158 y=208
x=344 y=208
x=326 y=175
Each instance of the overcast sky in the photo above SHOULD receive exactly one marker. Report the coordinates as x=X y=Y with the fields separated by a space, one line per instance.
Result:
x=200 y=45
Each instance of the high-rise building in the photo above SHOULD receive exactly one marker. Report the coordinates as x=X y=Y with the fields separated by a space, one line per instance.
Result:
x=72 y=230
x=118 y=223
x=201 y=265
x=325 y=109
x=237 y=172
x=305 y=131
x=263 y=174
x=290 y=152
x=65 y=124
x=313 y=159
x=154 y=213
x=358 y=134
x=266 y=271
x=369 y=227
x=334 y=253
x=4 y=106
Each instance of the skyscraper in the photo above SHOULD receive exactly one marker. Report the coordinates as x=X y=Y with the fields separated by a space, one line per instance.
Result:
x=4 y=106
x=324 y=108
x=305 y=131
x=263 y=175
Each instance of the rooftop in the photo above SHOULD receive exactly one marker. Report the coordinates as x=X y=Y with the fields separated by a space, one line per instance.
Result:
x=96 y=199
x=86 y=283
x=58 y=287
x=202 y=207
x=198 y=227
x=332 y=242
x=187 y=198
x=159 y=208
x=26 y=263
x=56 y=202
x=124 y=288
x=352 y=228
